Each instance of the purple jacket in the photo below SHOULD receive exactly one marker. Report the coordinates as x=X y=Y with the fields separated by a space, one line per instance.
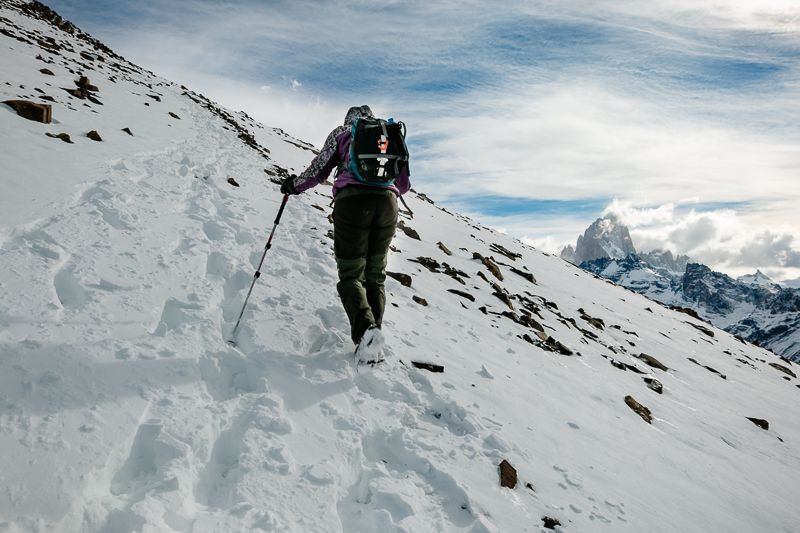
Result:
x=336 y=154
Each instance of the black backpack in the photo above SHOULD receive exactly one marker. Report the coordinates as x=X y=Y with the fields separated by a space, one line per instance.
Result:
x=378 y=151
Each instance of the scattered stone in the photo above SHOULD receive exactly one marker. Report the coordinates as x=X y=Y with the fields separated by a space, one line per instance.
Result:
x=421 y=301
x=444 y=248
x=93 y=135
x=504 y=251
x=173 y=115
x=639 y=409
x=84 y=85
x=710 y=369
x=652 y=361
x=508 y=475
x=63 y=136
x=654 y=384
x=404 y=279
x=430 y=367
x=154 y=97
x=128 y=131
x=410 y=232
x=47 y=72
x=760 y=422
x=556 y=346
x=526 y=275
x=596 y=322
x=429 y=263
x=233 y=182
x=463 y=294
x=491 y=265
x=529 y=486
x=501 y=294
x=550 y=523
x=31 y=110
x=783 y=369
x=702 y=329
x=648 y=309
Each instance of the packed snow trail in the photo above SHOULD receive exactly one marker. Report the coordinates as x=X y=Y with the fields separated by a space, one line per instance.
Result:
x=123 y=409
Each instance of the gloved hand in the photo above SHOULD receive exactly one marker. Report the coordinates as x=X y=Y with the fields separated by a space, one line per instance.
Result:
x=287 y=187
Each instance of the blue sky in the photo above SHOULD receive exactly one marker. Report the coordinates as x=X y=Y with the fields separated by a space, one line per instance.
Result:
x=532 y=116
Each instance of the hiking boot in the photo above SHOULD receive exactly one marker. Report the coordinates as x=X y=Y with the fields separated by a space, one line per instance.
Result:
x=370 y=348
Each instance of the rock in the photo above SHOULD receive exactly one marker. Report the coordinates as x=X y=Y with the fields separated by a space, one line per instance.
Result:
x=47 y=72
x=63 y=136
x=702 y=329
x=760 y=422
x=508 y=475
x=430 y=367
x=173 y=115
x=710 y=369
x=639 y=409
x=444 y=248
x=404 y=279
x=491 y=265
x=596 y=322
x=526 y=275
x=84 y=85
x=654 y=384
x=652 y=361
x=429 y=263
x=550 y=523
x=504 y=251
x=154 y=97
x=31 y=110
x=93 y=135
x=233 y=182
x=783 y=369
x=463 y=294
x=557 y=346
x=530 y=486
x=685 y=310
x=128 y=131
x=410 y=232
x=420 y=301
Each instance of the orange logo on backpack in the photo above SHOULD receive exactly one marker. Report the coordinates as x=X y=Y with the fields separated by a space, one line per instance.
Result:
x=383 y=144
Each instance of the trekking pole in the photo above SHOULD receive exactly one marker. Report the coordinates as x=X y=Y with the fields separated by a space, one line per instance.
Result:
x=258 y=270
x=410 y=212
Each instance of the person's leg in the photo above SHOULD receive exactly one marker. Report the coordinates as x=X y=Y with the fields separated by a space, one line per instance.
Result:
x=351 y=226
x=380 y=237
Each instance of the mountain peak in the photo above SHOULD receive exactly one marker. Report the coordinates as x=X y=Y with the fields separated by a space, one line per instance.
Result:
x=606 y=237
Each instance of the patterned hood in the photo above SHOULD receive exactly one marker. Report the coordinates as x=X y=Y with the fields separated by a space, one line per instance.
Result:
x=357 y=112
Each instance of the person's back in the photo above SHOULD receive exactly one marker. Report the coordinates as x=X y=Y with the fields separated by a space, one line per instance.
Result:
x=364 y=221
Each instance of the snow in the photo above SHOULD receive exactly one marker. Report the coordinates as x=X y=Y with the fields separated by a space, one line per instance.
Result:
x=122 y=408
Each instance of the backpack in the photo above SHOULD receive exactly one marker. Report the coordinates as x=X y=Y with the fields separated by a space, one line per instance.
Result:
x=378 y=151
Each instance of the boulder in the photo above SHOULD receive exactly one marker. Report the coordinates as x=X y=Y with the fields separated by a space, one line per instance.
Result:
x=31 y=110
x=463 y=294
x=508 y=475
x=652 y=361
x=444 y=248
x=760 y=422
x=430 y=367
x=404 y=279
x=63 y=136
x=173 y=115
x=233 y=182
x=639 y=409
x=128 y=131
x=47 y=72
x=550 y=523
x=93 y=135
x=654 y=384
x=421 y=301
x=410 y=232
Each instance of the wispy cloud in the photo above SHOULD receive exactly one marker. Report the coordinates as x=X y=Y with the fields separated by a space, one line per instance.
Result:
x=521 y=103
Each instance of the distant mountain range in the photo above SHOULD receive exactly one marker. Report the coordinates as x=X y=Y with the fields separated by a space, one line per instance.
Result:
x=753 y=307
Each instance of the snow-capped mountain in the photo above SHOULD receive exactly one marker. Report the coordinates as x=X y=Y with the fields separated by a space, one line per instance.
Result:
x=752 y=307
x=521 y=394
x=606 y=237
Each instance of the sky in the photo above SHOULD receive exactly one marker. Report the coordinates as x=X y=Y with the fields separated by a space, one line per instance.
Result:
x=534 y=117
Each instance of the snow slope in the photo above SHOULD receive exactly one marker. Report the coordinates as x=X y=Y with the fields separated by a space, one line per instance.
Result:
x=122 y=408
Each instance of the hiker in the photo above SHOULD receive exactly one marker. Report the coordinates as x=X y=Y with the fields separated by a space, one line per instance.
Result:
x=364 y=215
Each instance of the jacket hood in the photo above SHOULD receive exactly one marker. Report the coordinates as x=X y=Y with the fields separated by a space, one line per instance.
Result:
x=357 y=112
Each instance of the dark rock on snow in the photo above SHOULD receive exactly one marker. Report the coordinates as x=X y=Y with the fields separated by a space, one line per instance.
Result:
x=63 y=136
x=233 y=182
x=421 y=301
x=639 y=409
x=404 y=279
x=760 y=422
x=430 y=367
x=31 y=110
x=550 y=523
x=93 y=135
x=410 y=232
x=508 y=475
x=654 y=384
x=128 y=131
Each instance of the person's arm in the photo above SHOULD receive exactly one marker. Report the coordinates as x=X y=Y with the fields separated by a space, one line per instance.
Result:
x=403 y=180
x=319 y=169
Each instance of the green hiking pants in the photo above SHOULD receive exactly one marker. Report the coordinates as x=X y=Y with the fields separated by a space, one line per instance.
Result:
x=363 y=226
